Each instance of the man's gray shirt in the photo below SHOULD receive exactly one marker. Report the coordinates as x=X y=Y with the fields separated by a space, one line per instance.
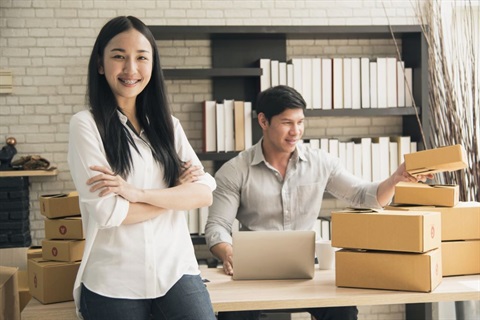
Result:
x=252 y=191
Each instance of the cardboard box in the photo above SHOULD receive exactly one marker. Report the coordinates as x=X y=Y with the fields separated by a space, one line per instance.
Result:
x=441 y=159
x=461 y=257
x=34 y=252
x=51 y=281
x=59 y=205
x=461 y=222
x=406 y=231
x=388 y=270
x=14 y=257
x=63 y=250
x=9 y=302
x=424 y=194
x=24 y=295
x=64 y=228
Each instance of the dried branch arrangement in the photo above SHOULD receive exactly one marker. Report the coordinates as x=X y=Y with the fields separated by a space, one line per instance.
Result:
x=452 y=35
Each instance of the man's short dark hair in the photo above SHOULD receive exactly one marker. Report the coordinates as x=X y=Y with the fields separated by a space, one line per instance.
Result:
x=275 y=100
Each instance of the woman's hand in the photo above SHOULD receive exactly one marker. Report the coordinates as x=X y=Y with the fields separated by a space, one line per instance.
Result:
x=108 y=182
x=190 y=173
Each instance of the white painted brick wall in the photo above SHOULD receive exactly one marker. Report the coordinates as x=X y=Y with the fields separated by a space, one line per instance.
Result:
x=46 y=44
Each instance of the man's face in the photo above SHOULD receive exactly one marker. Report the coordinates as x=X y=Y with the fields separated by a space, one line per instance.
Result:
x=284 y=130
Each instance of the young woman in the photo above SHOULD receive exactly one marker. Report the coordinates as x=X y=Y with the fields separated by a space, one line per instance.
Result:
x=127 y=157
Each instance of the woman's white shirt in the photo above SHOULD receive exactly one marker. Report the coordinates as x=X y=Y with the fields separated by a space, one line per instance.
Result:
x=137 y=261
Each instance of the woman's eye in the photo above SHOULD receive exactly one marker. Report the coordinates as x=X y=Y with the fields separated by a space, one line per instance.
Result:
x=118 y=57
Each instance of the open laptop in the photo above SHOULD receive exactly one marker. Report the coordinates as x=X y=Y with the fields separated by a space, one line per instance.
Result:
x=273 y=255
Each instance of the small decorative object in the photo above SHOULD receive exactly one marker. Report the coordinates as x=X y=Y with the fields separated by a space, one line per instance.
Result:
x=34 y=162
x=7 y=153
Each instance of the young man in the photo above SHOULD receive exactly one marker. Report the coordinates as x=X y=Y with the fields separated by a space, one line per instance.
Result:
x=278 y=184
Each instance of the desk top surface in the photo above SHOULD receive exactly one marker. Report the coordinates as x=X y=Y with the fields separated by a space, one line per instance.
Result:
x=228 y=295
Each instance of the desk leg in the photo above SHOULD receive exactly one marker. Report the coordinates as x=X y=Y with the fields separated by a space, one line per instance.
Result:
x=419 y=311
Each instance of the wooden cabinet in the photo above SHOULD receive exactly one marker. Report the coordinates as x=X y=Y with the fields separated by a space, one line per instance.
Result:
x=235 y=72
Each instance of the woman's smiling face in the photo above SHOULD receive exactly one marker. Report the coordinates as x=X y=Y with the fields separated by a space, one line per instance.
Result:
x=127 y=66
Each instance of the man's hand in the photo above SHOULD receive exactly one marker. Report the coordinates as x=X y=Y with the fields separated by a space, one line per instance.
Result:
x=224 y=252
x=401 y=175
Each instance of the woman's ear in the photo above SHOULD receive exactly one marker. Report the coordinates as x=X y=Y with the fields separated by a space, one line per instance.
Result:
x=100 y=67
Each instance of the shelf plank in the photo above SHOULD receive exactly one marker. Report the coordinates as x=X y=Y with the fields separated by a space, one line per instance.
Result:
x=291 y=32
x=217 y=156
x=204 y=73
x=362 y=112
x=28 y=173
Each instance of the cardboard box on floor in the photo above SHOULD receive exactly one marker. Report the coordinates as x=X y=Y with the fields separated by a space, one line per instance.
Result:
x=64 y=228
x=34 y=252
x=63 y=250
x=24 y=295
x=460 y=257
x=424 y=194
x=461 y=222
x=388 y=270
x=51 y=281
x=449 y=158
x=9 y=300
x=403 y=231
x=59 y=205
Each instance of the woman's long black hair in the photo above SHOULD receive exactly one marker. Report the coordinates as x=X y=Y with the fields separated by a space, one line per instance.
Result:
x=152 y=109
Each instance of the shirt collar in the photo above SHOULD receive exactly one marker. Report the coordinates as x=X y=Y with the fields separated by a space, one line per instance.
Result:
x=124 y=120
x=258 y=157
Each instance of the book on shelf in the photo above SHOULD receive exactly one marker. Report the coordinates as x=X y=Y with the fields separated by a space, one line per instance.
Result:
x=381 y=82
x=342 y=153
x=393 y=159
x=282 y=73
x=297 y=74
x=373 y=85
x=324 y=144
x=376 y=161
x=239 y=121
x=349 y=145
x=337 y=72
x=347 y=83
x=403 y=146
x=229 y=125
x=391 y=82
x=366 y=144
x=209 y=126
x=333 y=147
x=265 y=82
x=357 y=160
x=247 y=108
x=408 y=87
x=202 y=220
x=315 y=143
x=220 y=113
x=356 y=84
x=384 y=157
x=326 y=84
x=400 y=84
x=274 y=74
x=413 y=146
x=316 y=83
x=365 y=82
x=307 y=81
x=290 y=73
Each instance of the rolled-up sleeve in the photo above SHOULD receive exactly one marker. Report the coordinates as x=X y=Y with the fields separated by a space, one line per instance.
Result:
x=226 y=201
x=186 y=153
x=356 y=192
x=85 y=149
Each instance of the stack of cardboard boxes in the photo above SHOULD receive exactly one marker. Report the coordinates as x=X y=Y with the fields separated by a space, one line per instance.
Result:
x=52 y=276
x=411 y=247
x=460 y=220
x=394 y=250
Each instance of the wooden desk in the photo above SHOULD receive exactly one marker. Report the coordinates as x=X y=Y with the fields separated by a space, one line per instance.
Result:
x=230 y=295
